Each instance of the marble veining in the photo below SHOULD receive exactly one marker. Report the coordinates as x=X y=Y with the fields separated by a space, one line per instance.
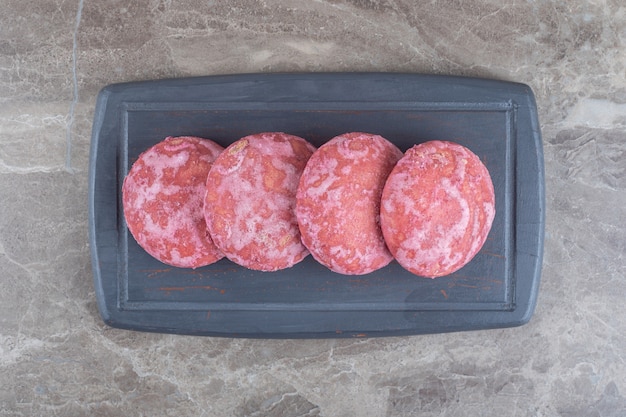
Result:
x=57 y=358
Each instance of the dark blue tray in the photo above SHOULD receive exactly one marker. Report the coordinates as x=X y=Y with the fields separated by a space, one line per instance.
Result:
x=497 y=120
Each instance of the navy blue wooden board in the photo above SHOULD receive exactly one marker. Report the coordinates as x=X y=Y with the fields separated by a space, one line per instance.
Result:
x=496 y=120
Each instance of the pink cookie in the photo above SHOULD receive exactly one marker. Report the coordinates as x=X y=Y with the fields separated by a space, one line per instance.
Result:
x=250 y=200
x=338 y=202
x=163 y=197
x=437 y=208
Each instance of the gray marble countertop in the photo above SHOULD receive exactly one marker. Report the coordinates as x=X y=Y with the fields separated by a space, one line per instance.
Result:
x=57 y=358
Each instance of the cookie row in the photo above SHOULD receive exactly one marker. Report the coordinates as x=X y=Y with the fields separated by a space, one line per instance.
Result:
x=269 y=199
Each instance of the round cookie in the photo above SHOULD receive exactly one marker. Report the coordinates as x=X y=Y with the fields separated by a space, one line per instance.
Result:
x=250 y=200
x=437 y=208
x=338 y=202
x=163 y=196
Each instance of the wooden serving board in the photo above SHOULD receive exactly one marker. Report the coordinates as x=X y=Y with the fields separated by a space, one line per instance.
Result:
x=496 y=120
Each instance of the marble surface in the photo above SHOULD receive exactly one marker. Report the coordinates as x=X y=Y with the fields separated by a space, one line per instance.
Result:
x=57 y=358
